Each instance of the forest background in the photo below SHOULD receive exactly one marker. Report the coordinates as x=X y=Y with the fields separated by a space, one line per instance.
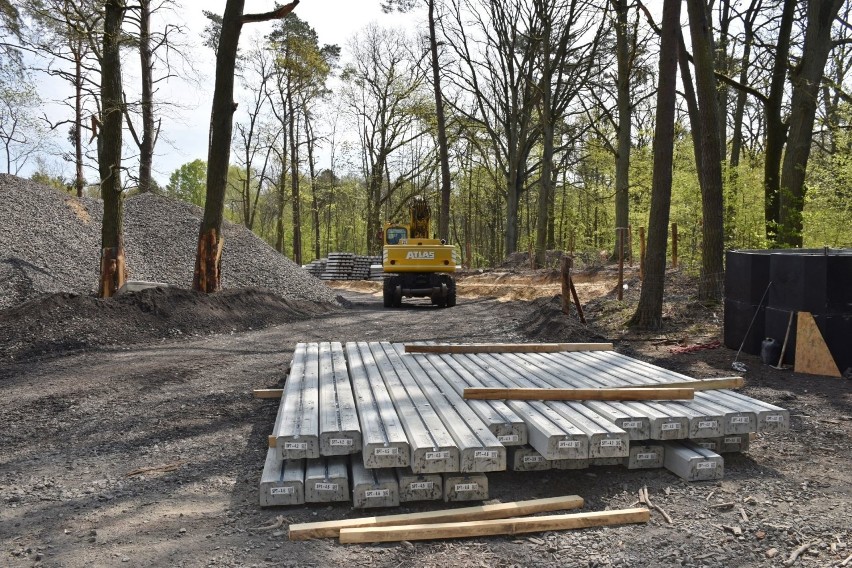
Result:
x=550 y=111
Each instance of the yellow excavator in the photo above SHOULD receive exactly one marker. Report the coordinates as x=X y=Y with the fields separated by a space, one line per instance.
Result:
x=415 y=265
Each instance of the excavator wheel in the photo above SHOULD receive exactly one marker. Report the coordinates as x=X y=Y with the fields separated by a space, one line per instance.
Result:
x=451 y=292
x=388 y=292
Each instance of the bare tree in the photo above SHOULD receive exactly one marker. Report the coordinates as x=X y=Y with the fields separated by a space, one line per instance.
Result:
x=383 y=94
x=497 y=45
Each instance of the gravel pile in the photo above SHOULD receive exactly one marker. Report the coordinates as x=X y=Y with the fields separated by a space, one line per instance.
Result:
x=50 y=242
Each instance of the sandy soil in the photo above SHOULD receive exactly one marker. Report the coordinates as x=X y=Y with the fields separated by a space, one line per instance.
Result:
x=80 y=421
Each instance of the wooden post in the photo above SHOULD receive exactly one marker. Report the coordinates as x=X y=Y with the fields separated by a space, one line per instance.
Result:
x=620 y=231
x=674 y=245
x=566 y=263
x=641 y=253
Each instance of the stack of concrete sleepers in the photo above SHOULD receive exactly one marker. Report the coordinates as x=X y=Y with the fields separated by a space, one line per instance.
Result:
x=719 y=420
x=369 y=422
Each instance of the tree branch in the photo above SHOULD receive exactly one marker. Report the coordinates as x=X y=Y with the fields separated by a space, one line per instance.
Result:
x=273 y=15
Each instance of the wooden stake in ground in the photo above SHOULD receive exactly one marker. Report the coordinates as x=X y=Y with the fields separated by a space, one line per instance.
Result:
x=507 y=347
x=495 y=527
x=565 y=265
x=674 y=245
x=330 y=529
x=486 y=393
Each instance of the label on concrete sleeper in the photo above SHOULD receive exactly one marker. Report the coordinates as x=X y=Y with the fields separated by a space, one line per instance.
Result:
x=386 y=451
x=775 y=418
x=733 y=440
x=282 y=491
x=437 y=455
x=485 y=454
x=670 y=426
x=739 y=420
x=508 y=438
x=631 y=425
x=421 y=485
x=568 y=444
x=326 y=486
x=340 y=442
x=610 y=443
x=533 y=459
x=705 y=465
x=646 y=456
x=374 y=493
x=708 y=445
x=295 y=445
x=467 y=487
x=708 y=424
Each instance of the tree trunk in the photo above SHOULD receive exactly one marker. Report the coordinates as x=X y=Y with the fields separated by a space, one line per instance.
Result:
x=622 y=158
x=545 y=181
x=443 y=151
x=79 y=177
x=806 y=81
x=109 y=154
x=146 y=148
x=649 y=313
x=315 y=214
x=210 y=242
x=722 y=65
x=710 y=173
x=207 y=276
x=776 y=130
x=294 y=181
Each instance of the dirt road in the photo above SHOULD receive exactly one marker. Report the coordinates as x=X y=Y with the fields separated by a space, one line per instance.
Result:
x=80 y=429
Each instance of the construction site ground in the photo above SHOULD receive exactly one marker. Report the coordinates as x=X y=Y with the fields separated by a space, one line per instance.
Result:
x=133 y=440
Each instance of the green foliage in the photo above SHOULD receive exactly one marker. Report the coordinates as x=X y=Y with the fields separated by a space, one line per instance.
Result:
x=189 y=182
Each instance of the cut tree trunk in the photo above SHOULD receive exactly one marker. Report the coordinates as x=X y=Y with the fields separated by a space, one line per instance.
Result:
x=109 y=154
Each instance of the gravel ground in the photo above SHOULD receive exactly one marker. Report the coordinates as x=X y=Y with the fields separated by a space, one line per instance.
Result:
x=50 y=242
x=76 y=426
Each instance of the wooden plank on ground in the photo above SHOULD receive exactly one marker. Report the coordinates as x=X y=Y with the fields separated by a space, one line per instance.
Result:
x=494 y=527
x=330 y=529
x=702 y=384
x=812 y=354
x=483 y=393
x=267 y=393
x=507 y=347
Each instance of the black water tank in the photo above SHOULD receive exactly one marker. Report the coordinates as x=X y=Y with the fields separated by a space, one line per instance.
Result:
x=818 y=281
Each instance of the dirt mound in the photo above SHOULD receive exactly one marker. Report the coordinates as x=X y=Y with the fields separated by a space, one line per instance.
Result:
x=50 y=243
x=546 y=322
x=64 y=321
x=521 y=259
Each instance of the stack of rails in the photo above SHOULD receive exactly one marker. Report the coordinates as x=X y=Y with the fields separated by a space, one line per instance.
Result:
x=374 y=424
x=361 y=267
x=339 y=266
x=377 y=272
x=316 y=267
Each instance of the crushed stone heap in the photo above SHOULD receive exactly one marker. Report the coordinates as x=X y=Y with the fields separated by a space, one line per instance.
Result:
x=50 y=242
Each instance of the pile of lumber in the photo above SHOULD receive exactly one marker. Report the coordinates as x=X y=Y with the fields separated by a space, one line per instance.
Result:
x=500 y=518
x=383 y=423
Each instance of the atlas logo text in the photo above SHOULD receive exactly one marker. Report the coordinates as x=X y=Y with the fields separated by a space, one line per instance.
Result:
x=419 y=255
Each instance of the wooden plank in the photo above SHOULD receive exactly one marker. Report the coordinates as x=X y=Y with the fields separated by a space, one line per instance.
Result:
x=702 y=384
x=494 y=527
x=507 y=347
x=812 y=354
x=267 y=393
x=482 y=393
x=330 y=529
